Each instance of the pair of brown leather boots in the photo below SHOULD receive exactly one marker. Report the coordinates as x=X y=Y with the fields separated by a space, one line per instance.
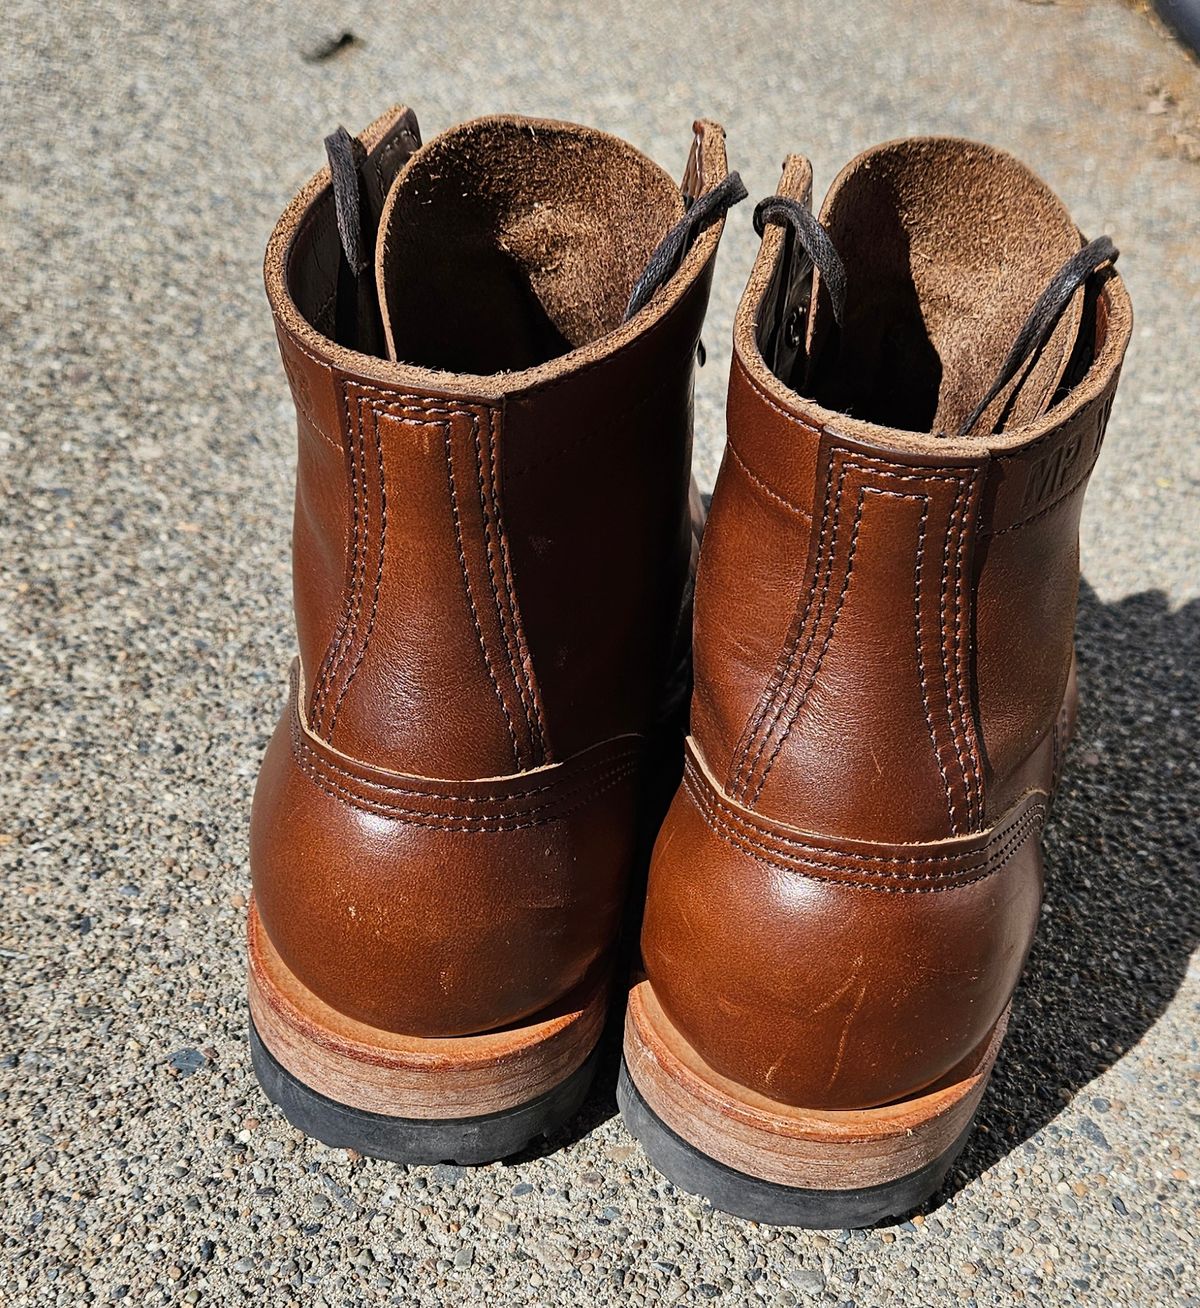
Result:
x=490 y=341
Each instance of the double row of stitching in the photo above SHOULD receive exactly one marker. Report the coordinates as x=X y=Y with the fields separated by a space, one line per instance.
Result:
x=918 y=577
x=481 y=546
x=348 y=621
x=571 y=801
x=756 y=731
x=582 y=770
x=948 y=655
x=326 y=765
x=362 y=405
x=831 y=854
x=549 y=801
x=466 y=574
x=528 y=745
x=799 y=664
x=355 y=402
x=793 y=711
x=1093 y=419
x=957 y=705
x=966 y=716
x=501 y=578
x=924 y=875
x=779 y=708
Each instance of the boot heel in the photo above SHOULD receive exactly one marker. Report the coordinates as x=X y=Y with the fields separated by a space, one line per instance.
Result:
x=777 y=1164
x=463 y=1099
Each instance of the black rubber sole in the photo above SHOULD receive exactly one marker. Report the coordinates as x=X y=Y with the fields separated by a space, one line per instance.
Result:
x=464 y=1140
x=766 y=1201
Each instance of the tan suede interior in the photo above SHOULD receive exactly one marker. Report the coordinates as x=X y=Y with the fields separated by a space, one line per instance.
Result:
x=506 y=243
x=947 y=245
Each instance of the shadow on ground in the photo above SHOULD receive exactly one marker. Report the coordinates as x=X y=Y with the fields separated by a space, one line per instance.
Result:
x=1122 y=901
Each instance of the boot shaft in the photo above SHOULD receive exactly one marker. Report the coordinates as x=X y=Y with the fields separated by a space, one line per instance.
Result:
x=492 y=537
x=885 y=606
x=490 y=341
x=885 y=616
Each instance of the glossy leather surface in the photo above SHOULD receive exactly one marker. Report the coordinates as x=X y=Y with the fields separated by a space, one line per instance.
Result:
x=847 y=884
x=492 y=581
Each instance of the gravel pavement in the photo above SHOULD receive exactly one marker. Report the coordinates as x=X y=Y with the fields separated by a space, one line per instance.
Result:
x=146 y=474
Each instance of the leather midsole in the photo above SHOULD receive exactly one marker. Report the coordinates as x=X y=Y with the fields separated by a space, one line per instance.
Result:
x=808 y=1148
x=411 y=1076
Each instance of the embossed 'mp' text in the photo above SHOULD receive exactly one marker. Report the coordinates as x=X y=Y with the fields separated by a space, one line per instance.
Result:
x=1066 y=463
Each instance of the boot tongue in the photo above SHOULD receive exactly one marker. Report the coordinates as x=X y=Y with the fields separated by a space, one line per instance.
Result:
x=507 y=242
x=947 y=246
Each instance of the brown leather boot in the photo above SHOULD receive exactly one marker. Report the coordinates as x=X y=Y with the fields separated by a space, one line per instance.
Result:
x=490 y=341
x=843 y=894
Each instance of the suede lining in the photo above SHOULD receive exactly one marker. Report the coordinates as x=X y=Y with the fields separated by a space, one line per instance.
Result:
x=947 y=245
x=310 y=213
x=1083 y=362
x=506 y=243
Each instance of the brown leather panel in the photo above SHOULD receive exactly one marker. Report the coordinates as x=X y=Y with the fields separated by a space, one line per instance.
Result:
x=321 y=523
x=1030 y=481
x=1028 y=581
x=777 y=447
x=491 y=573
x=429 y=670
x=834 y=974
x=865 y=724
x=438 y=907
x=752 y=565
x=616 y=440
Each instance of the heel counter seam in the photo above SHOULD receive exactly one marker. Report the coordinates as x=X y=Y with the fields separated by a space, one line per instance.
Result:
x=383 y=522
x=466 y=576
x=519 y=802
x=799 y=663
x=982 y=853
x=500 y=575
x=361 y=406
x=335 y=652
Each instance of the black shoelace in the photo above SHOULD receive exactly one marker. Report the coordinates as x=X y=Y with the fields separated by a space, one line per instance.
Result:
x=814 y=240
x=1044 y=317
x=668 y=254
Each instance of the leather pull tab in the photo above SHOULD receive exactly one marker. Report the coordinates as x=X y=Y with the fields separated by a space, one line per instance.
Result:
x=693 y=173
x=357 y=323
x=346 y=156
x=360 y=179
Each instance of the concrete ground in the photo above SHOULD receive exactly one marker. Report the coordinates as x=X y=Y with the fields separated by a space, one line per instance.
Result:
x=146 y=443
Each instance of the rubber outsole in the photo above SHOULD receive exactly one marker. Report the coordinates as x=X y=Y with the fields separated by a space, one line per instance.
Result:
x=767 y=1202
x=468 y=1141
